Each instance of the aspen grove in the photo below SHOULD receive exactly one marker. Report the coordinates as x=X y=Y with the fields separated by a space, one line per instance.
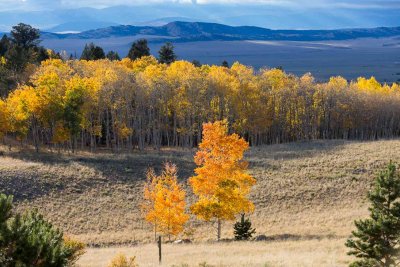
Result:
x=125 y=105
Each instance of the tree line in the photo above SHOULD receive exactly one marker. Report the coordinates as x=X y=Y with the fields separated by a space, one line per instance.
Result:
x=130 y=104
x=63 y=103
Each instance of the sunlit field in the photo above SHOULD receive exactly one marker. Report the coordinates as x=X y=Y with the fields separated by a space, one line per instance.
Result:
x=296 y=253
x=307 y=196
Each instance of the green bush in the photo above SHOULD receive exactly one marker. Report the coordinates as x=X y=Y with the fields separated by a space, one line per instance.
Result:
x=29 y=240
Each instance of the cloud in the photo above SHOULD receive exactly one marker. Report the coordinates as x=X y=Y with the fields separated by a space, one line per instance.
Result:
x=325 y=4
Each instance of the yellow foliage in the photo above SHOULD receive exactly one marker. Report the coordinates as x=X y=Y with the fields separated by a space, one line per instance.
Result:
x=124 y=131
x=75 y=249
x=140 y=103
x=121 y=260
x=4 y=118
x=60 y=133
x=22 y=105
x=140 y=64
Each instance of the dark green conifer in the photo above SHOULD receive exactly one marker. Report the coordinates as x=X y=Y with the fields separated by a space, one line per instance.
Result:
x=111 y=55
x=225 y=64
x=139 y=49
x=243 y=230
x=30 y=240
x=166 y=54
x=376 y=242
x=92 y=52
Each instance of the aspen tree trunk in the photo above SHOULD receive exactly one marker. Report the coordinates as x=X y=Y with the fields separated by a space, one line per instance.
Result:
x=155 y=232
x=107 y=130
x=219 y=229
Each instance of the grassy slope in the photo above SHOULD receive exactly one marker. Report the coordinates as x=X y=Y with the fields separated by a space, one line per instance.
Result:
x=305 y=190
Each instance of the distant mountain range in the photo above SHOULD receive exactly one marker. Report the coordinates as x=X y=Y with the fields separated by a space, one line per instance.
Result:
x=179 y=31
x=56 y=18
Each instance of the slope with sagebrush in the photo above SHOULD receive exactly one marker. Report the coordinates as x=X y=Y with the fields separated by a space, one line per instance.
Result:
x=304 y=190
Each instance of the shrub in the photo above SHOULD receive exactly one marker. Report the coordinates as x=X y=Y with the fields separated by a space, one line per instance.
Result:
x=29 y=240
x=122 y=261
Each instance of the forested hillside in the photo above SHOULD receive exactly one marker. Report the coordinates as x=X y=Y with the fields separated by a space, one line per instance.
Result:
x=133 y=104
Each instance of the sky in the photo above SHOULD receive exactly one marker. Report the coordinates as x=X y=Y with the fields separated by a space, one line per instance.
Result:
x=36 y=5
x=274 y=14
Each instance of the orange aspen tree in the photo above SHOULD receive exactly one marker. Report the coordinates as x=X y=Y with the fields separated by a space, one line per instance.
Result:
x=221 y=183
x=164 y=202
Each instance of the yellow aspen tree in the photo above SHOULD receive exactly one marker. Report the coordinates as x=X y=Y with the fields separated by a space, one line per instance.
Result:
x=148 y=205
x=221 y=182
x=4 y=119
x=22 y=104
x=164 y=202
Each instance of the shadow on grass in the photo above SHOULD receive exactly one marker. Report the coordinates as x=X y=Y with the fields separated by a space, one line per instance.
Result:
x=109 y=169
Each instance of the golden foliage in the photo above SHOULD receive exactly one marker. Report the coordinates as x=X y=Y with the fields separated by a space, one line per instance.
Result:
x=122 y=261
x=164 y=201
x=139 y=103
x=75 y=249
x=221 y=182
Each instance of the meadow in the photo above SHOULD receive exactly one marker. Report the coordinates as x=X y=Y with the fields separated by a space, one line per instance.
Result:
x=306 y=198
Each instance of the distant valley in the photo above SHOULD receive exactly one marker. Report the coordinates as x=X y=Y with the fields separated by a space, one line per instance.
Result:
x=348 y=52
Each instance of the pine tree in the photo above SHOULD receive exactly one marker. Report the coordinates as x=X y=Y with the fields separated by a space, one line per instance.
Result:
x=4 y=45
x=225 y=64
x=30 y=240
x=139 y=49
x=376 y=240
x=111 y=55
x=196 y=63
x=243 y=230
x=167 y=54
x=92 y=52
x=25 y=35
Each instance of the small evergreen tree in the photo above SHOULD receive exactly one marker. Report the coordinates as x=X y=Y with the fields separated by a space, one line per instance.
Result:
x=139 y=49
x=376 y=240
x=92 y=52
x=166 y=54
x=113 y=55
x=196 y=63
x=225 y=64
x=243 y=230
x=29 y=240
x=4 y=45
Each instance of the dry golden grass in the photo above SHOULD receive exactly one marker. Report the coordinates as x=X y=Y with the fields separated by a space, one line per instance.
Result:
x=309 y=191
x=305 y=253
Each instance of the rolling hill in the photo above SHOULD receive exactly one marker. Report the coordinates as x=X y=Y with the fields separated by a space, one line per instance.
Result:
x=306 y=198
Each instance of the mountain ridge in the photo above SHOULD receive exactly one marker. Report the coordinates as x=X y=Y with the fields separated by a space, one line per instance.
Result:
x=181 y=31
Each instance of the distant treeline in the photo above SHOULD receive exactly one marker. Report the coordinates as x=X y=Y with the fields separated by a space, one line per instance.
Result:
x=50 y=99
x=133 y=104
x=21 y=53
